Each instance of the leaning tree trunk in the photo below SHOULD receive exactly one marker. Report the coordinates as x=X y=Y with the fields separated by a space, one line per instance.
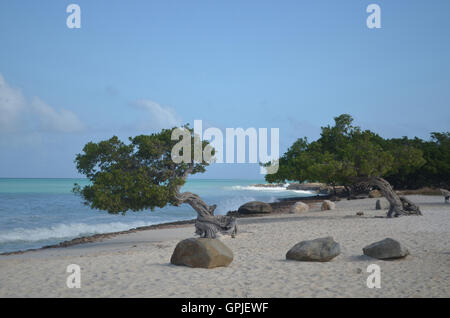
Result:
x=207 y=224
x=398 y=205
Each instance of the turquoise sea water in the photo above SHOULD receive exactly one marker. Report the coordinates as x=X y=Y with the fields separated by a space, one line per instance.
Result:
x=39 y=212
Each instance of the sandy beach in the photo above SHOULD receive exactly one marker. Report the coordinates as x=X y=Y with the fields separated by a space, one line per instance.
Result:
x=138 y=264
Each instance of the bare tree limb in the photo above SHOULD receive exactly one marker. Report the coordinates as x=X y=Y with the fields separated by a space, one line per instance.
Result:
x=207 y=224
x=398 y=205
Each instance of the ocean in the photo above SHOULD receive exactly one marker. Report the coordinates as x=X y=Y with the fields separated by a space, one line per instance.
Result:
x=39 y=212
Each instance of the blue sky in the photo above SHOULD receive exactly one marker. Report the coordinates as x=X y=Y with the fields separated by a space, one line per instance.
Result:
x=137 y=66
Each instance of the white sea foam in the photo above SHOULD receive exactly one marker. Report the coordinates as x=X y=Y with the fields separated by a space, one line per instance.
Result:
x=270 y=189
x=232 y=204
x=61 y=231
x=255 y=188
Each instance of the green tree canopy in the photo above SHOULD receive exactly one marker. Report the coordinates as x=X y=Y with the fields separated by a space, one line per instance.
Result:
x=134 y=176
x=436 y=170
x=149 y=172
x=343 y=154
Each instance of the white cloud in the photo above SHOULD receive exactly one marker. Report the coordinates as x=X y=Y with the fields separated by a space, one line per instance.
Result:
x=12 y=103
x=53 y=120
x=15 y=111
x=159 y=116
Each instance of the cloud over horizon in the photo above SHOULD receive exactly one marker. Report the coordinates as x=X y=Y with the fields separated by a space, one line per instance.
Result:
x=17 y=114
x=12 y=103
x=51 y=119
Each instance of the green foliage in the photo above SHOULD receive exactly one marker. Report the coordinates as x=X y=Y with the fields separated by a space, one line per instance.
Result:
x=345 y=153
x=293 y=164
x=435 y=172
x=135 y=176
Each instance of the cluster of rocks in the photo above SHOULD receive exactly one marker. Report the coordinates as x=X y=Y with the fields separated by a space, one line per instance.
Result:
x=334 y=193
x=258 y=207
x=210 y=253
x=319 y=188
x=325 y=249
x=269 y=185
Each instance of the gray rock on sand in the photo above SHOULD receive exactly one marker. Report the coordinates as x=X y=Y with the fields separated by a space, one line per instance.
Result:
x=381 y=205
x=386 y=249
x=327 y=205
x=255 y=207
x=201 y=252
x=299 y=207
x=318 y=250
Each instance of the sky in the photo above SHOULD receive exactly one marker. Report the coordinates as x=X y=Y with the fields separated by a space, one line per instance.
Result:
x=135 y=67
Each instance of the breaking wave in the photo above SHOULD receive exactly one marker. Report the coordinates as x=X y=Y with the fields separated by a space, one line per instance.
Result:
x=63 y=231
x=271 y=189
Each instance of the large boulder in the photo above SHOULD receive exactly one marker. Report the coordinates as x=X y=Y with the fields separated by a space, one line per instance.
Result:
x=299 y=207
x=201 y=252
x=255 y=207
x=318 y=250
x=386 y=249
x=327 y=205
x=381 y=205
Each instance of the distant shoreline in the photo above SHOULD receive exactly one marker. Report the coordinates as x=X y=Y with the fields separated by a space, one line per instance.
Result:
x=280 y=207
x=100 y=236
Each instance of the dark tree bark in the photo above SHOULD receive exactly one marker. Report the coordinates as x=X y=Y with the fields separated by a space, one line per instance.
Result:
x=347 y=190
x=207 y=224
x=446 y=195
x=398 y=205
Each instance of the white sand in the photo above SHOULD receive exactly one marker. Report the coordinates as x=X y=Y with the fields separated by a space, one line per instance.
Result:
x=137 y=264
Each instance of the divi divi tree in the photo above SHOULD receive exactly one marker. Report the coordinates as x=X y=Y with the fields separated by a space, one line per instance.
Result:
x=146 y=173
